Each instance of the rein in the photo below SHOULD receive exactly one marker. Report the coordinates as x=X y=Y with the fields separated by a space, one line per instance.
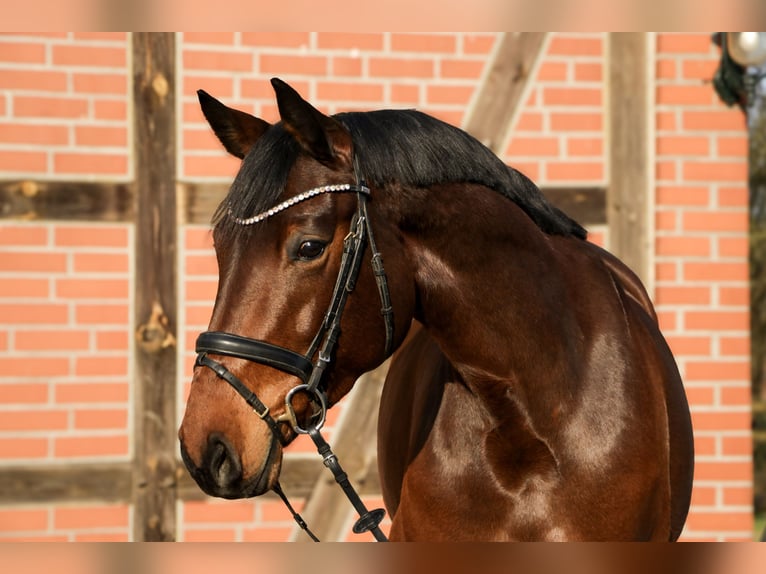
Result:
x=309 y=370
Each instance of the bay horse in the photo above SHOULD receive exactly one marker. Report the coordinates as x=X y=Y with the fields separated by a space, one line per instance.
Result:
x=531 y=394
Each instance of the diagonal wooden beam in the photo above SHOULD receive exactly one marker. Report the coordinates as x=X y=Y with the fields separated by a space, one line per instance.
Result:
x=499 y=99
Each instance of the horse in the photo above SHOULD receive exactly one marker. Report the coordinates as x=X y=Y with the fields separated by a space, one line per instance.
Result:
x=530 y=394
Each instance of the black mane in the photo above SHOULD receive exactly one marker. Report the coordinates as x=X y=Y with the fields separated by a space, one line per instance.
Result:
x=404 y=146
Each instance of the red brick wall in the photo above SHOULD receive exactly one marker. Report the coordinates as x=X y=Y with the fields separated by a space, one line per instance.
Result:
x=66 y=289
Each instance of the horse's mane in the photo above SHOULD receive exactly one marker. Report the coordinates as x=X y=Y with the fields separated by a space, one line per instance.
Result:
x=403 y=146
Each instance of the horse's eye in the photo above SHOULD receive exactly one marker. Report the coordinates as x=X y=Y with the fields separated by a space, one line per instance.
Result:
x=310 y=249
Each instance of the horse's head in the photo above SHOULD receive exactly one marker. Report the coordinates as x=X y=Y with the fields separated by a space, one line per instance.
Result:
x=279 y=252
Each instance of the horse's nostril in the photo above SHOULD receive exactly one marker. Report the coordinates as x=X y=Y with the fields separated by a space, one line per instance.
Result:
x=221 y=461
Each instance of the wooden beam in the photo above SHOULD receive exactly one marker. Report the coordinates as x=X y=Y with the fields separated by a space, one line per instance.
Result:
x=500 y=95
x=155 y=287
x=66 y=201
x=327 y=509
x=629 y=159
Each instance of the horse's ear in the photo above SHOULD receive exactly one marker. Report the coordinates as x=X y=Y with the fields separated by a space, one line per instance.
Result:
x=323 y=137
x=237 y=130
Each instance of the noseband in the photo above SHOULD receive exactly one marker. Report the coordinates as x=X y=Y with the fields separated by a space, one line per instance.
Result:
x=306 y=367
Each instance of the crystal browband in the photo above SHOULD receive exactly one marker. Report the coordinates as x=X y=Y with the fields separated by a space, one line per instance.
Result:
x=334 y=188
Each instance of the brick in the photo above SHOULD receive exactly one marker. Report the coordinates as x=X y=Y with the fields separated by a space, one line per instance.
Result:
x=19 y=447
x=436 y=43
x=101 y=419
x=666 y=121
x=26 y=235
x=699 y=69
x=50 y=107
x=112 y=340
x=101 y=366
x=736 y=396
x=90 y=163
x=570 y=46
x=22 y=52
x=101 y=263
x=720 y=421
x=734 y=296
x=92 y=288
x=478 y=43
x=717 y=320
x=572 y=97
x=715 y=271
x=736 y=196
x=683 y=245
x=23 y=161
x=104 y=314
x=737 y=496
x=288 y=64
x=23 y=519
x=110 y=110
x=715 y=171
x=33 y=134
x=553 y=71
x=683 y=145
x=24 y=289
x=37 y=314
x=203 y=139
x=275 y=511
x=529 y=122
x=666 y=170
x=665 y=220
x=24 y=421
x=218 y=61
x=720 y=521
x=460 y=69
x=738 y=445
x=584 y=147
x=340 y=66
x=51 y=340
x=101 y=136
x=70 y=447
x=355 y=91
x=96 y=56
x=33 y=81
x=715 y=221
x=684 y=43
x=102 y=83
x=26 y=393
x=703 y=496
x=666 y=69
x=276 y=39
x=91 y=236
x=101 y=36
x=82 y=517
x=219 y=512
x=201 y=265
x=224 y=38
x=701 y=396
x=198 y=315
x=198 y=239
x=683 y=295
x=206 y=166
x=403 y=93
x=732 y=146
x=575 y=171
x=458 y=95
x=402 y=67
x=683 y=195
x=220 y=88
x=717 y=370
x=684 y=95
x=713 y=120
x=735 y=346
x=563 y=121
x=533 y=146
x=349 y=41
x=37 y=367
x=201 y=290
x=95 y=393
x=588 y=72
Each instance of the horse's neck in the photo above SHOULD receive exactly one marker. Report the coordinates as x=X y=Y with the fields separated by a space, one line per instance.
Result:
x=489 y=285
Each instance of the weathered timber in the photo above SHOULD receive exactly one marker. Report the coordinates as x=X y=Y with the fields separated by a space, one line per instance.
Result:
x=629 y=159
x=155 y=287
x=30 y=200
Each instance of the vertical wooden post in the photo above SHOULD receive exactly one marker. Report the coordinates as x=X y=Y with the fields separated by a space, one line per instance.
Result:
x=630 y=163
x=155 y=286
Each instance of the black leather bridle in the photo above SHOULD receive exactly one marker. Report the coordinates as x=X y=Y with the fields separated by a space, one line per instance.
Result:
x=306 y=367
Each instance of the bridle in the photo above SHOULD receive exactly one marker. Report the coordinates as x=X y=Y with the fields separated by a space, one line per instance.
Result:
x=308 y=369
